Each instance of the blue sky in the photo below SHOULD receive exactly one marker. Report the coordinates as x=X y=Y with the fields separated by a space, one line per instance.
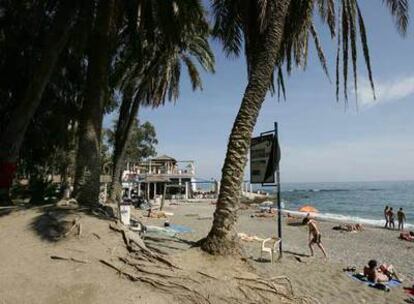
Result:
x=320 y=139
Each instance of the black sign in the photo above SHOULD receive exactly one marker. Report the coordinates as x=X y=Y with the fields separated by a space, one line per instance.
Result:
x=264 y=159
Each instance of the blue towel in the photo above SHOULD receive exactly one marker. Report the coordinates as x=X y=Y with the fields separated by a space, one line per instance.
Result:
x=391 y=283
x=180 y=228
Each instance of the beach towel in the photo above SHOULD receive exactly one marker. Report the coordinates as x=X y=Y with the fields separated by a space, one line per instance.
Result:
x=171 y=230
x=180 y=228
x=361 y=278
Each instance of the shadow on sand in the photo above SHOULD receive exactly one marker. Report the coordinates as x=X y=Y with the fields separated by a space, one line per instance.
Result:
x=57 y=222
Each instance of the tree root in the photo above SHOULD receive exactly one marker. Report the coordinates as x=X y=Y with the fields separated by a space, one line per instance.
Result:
x=207 y=275
x=141 y=268
x=56 y=257
x=158 y=283
x=271 y=286
x=149 y=265
x=75 y=223
x=134 y=244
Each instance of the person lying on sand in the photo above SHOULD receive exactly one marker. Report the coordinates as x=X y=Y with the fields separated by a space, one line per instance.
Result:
x=249 y=238
x=349 y=227
x=314 y=235
x=381 y=274
x=407 y=236
x=265 y=214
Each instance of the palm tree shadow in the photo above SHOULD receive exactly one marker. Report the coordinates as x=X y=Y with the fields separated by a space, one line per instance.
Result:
x=172 y=239
x=296 y=254
x=5 y=212
x=261 y=260
x=51 y=226
x=56 y=223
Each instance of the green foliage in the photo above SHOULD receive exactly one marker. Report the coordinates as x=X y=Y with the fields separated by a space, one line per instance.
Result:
x=22 y=26
x=42 y=191
x=153 y=50
x=141 y=143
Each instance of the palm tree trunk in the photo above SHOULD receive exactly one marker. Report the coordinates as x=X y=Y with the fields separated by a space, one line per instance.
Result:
x=222 y=238
x=126 y=120
x=13 y=135
x=88 y=163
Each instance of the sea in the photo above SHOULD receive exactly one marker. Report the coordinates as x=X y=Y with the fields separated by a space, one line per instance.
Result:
x=356 y=202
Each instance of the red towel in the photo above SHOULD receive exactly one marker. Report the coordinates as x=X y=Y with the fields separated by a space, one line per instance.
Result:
x=7 y=170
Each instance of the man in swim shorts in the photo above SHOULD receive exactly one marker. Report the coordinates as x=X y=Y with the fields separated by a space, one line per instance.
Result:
x=401 y=219
x=314 y=235
x=391 y=222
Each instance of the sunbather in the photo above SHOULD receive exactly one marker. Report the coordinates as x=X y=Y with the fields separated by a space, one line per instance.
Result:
x=248 y=238
x=265 y=214
x=407 y=235
x=349 y=227
x=381 y=274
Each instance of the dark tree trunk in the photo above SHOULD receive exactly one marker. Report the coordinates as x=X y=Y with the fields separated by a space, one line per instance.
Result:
x=222 y=238
x=88 y=162
x=127 y=114
x=13 y=135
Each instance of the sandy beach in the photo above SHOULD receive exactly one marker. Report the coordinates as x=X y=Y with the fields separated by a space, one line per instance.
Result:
x=25 y=260
x=313 y=276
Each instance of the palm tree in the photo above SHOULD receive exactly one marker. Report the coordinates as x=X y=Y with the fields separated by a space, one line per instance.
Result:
x=88 y=167
x=275 y=33
x=179 y=34
x=13 y=134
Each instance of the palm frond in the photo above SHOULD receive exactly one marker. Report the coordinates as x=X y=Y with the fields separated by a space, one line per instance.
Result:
x=338 y=52
x=193 y=73
x=228 y=25
x=400 y=10
x=365 y=48
x=319 y=50
x=280 y=83
x=327 y=13
x=345 y=45
x=353 y=39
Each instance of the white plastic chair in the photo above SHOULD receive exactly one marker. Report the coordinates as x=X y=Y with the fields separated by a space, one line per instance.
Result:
x=274 y=247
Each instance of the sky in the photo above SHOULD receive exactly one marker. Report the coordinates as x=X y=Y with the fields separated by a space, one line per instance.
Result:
x=321 y=140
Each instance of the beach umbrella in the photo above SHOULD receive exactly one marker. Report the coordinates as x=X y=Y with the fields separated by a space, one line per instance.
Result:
x=308 y=208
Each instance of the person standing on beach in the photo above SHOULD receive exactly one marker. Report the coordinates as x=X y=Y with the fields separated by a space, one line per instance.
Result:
x=314 y=235
x=391 y=218
x=401 y=219
x=386 y=217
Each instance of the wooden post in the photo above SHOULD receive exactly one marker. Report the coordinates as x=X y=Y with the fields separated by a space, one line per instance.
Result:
x=163 y=197
x=279 y=205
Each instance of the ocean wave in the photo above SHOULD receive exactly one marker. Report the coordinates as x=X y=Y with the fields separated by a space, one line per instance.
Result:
x=322 y=190
x=345 y=218
x=333 y=190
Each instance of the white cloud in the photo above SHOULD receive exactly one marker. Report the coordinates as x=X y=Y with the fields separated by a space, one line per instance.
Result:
x=386 y=91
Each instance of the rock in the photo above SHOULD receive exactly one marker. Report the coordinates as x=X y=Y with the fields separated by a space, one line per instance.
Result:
x=67 y=204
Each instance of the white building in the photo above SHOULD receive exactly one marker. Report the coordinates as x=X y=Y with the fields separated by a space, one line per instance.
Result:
x=160 y=175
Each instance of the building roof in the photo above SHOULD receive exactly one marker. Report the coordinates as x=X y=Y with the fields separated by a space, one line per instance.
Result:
x=164 y=157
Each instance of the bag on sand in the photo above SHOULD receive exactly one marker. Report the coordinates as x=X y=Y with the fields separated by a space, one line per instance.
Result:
x=380 y=286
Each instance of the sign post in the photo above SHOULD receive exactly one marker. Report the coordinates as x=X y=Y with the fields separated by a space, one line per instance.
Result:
x=264 y=165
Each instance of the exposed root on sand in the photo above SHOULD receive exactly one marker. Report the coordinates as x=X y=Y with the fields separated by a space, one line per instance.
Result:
x=143 y=264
